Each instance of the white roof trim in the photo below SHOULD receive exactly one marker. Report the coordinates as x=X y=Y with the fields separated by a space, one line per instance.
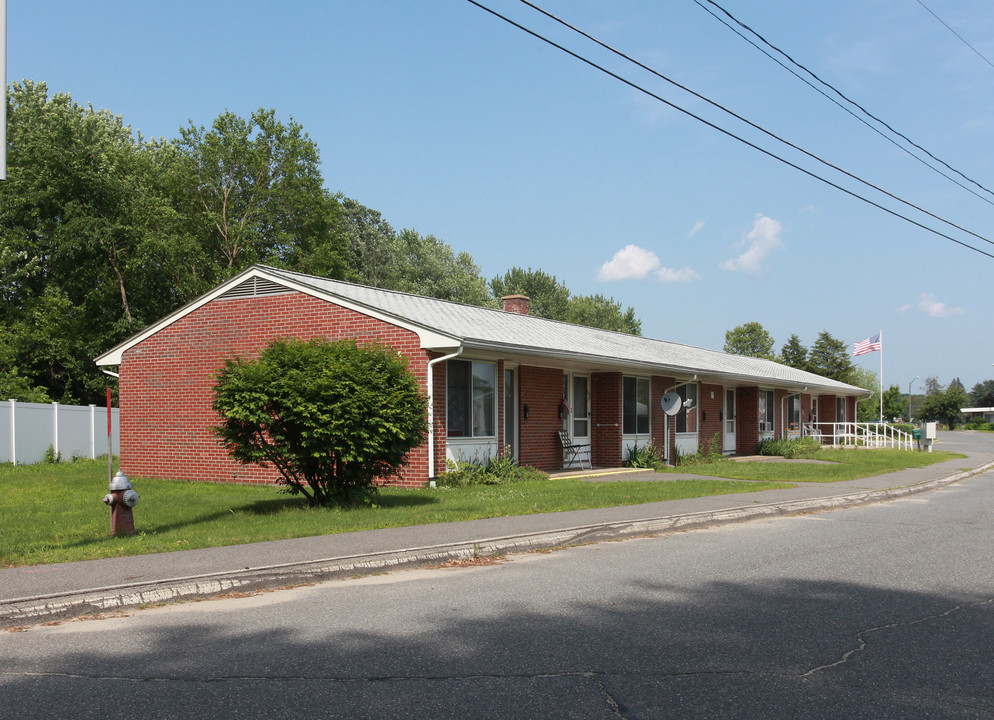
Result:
x=429 y=338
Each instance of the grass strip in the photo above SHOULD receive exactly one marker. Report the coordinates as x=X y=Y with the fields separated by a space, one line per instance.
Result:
x=845 y=465
x=53 y=513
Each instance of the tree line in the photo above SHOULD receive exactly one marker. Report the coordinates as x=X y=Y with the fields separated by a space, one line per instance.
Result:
x=104 y=231
x=829 y=357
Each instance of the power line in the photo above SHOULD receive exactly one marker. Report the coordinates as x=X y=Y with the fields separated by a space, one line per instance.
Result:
x=752 y=124
x=723 y=131
x=955 y=33
x=845 y=98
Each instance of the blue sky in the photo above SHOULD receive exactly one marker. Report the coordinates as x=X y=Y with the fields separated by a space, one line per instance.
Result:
x=448 y=120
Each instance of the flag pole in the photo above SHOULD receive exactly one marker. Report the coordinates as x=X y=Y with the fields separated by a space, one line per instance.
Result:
x=881 y=338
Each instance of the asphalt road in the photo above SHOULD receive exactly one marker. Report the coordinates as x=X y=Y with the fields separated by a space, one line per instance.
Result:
x=881 y=611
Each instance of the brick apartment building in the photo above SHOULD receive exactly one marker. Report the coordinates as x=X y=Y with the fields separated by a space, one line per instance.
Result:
x=495 y=379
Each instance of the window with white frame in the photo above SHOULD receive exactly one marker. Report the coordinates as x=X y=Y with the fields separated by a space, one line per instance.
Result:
x=767 y=410
x=840 y=409
x=471 y=398
x=814 y=409
x=686 y=419
x=635 y=406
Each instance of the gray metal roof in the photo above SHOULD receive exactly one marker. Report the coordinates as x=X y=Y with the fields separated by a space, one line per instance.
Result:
x=495 y=330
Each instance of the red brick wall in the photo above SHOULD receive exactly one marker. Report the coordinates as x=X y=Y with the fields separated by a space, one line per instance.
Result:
x=747 y=420
x=605 y=404
x=166 y=381
x=826 y=409
x=710 y=418
x=541 y=390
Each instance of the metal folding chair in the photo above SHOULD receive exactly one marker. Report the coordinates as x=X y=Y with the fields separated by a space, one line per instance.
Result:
x=574 y=451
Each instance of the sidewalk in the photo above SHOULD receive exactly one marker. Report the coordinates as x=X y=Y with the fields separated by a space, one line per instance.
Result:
x=38 y=593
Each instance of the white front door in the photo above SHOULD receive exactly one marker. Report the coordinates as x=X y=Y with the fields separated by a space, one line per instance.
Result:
x=728 y=441
x=577 y=421
x=511 y=411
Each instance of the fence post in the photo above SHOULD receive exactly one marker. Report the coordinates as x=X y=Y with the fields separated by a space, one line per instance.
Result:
x=93 y=432
x=55 y=429
x=13 y=431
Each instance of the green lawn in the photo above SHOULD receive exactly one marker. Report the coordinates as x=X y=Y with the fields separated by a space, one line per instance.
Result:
x=845 y=465
x=54 y=513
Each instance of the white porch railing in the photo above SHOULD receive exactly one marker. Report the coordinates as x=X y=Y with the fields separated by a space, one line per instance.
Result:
x=871 y=435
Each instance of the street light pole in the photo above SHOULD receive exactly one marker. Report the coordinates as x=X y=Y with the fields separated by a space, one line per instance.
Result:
x=909 y=396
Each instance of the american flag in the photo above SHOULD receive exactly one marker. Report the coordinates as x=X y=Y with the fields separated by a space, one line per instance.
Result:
x=871 y=344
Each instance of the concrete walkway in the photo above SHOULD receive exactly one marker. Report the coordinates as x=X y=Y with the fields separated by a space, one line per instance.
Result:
x=37 y=593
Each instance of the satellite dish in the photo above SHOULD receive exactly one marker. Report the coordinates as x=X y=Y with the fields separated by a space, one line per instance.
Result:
x=671 y=403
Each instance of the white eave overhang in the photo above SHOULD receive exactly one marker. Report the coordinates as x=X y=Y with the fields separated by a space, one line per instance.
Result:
x=679 y=372
x=429 y=339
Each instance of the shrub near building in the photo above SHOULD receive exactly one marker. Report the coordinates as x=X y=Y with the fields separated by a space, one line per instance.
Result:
x=331 y=417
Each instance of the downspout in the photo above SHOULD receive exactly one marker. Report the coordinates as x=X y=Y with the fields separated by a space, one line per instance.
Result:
x=431 y=408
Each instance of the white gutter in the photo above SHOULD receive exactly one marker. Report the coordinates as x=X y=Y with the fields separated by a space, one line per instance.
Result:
x=431 y=408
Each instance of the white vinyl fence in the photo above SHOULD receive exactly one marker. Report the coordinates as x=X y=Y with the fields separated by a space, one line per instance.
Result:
x=28 y=429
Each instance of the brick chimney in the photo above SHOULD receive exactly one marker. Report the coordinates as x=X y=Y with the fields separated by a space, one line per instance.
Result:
x=515 y=304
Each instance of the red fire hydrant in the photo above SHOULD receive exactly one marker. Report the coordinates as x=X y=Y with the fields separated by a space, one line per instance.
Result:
x=121 y=498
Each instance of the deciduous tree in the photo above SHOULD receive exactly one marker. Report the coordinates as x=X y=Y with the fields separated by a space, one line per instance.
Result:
x=258 y=188
x=751 y=340
x=945 y=405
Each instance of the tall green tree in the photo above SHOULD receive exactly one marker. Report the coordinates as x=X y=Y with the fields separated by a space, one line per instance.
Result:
x=794 y=354
x=85 y=204
x=549 y=298
x=944 y=405
x=982 y=394
x=428 y=266
x=750 y=339
x=370 y=249
x=829 y=357
x=257 y=186
x=894 y=403
x=604 y=313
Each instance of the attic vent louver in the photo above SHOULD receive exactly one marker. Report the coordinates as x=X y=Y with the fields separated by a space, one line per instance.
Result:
x=254 y=287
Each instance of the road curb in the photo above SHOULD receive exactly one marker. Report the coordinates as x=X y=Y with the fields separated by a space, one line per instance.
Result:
x=57 y=606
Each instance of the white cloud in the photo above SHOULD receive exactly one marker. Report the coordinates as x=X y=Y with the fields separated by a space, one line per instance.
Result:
x=636 y=263
x=931 y=307
x=698 y=226
x=904 y=308
x=672 y=275
x=763 y=239
x=629 y=263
